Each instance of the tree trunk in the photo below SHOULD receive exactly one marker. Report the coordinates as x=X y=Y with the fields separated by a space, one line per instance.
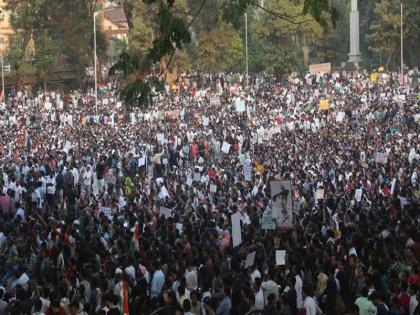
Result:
x=45 y=84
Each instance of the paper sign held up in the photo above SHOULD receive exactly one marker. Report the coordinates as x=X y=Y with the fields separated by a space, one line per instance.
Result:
x=166 y=212
x=225 y=147
x=324 y=104
x=320 y=192
x=213 y=188
x=280 y=257
x=250 y=258
x=358 y=194
x=236 y=229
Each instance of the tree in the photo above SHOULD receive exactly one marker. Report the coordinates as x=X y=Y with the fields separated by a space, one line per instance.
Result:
x=45 y=56
x=16 y=55
x=174 y=32
x=220 y=49
x=384 y=31
x=56 y=28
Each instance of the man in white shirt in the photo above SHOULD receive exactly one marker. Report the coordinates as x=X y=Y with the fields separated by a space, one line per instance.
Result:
x=309 y=303
x=259 y=294
x=255 y=274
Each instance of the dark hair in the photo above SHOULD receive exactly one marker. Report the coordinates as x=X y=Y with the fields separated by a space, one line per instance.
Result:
x=38 y=305
x=186 y=305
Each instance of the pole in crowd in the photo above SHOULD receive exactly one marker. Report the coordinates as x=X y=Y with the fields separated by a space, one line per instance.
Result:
x=246 y=47
x=2 y=61
x=402 y=47
x=95 y=61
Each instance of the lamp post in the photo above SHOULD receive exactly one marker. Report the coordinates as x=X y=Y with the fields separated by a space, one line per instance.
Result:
x=246 y=48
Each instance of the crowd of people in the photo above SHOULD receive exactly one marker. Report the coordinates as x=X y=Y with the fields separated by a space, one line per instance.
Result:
x=105 y=210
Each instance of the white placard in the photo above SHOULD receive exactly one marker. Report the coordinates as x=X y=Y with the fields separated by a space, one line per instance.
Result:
x=394 y=181
x=248 y=172
x=206 y=121
x=166 y=212
x=280 y=257
x=142 y=161
x=213 y=188
x=225 y=147
x=319 y=194
x=189 y=181
x=197 y=177
x=160 y=137
x=250 y=258
x=240 y=105
x=358 y=194
x=381 y=157
x=180 y=228
x=163 y=193
x=236 y=229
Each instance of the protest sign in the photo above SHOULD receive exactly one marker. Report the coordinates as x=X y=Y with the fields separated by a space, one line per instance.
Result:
x=180 y=228
x=189 y=181
x=319 y=194
x=381 y=158
x=240 y=105
x=250 y=258
x=236 y=229
x=213 y=188
x=197 y=177
x=280 y=257
x=215 y=100
x=206 y=121
x=268 y=222
x=225 y=147
x=282 y=204
x=106 y=211
x=166 y=212
x=324 y=104
x=320 y=68
x=358 y=194
x=373 y=77
x=163 y=193
x=248 y=171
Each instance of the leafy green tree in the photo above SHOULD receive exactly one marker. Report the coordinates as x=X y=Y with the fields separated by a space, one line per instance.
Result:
x=45 y=56
x=384 y=31
x=175 y=28
x=17 y=57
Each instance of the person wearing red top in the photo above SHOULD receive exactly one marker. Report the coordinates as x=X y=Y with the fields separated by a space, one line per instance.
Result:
x=212 y=173
x=194 y=149
x=414 y=278
x=404 y=297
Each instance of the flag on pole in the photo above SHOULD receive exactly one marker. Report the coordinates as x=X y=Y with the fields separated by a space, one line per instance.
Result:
x=123 y=301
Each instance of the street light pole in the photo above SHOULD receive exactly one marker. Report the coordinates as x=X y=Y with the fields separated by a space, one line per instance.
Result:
x=2 y=64
x=95 y=62
x=402 y=46
x=246 y=48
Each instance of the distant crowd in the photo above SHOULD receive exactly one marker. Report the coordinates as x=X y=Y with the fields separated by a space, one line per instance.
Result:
x=105 y=210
